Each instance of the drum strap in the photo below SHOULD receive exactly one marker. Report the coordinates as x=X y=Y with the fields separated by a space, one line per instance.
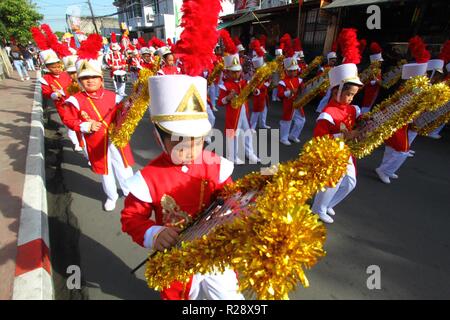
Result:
x=94 y=107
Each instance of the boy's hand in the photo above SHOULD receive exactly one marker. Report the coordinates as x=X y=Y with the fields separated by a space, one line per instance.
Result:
x=350 y=135
x=166 y=238
x=95 y=126
x=231 y=95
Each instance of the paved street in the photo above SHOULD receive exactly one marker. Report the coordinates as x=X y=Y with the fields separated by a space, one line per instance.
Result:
x=401 y=227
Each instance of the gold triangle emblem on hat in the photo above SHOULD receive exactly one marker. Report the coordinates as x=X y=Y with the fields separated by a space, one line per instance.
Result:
x=192 y=101
x=236 y=61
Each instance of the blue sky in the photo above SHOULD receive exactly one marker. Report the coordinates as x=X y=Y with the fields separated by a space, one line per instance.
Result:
x=54 y=11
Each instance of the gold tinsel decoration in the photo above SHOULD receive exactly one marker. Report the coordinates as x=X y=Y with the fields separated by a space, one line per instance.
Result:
x=314 y=64
x=261 y=75
x=135 y=107
x=430 y=127
x=73 y=88
x=373 y=71
x=426 y=98
x=322 y=88
x=270 y=247
x=218 y=68
x=394 y=80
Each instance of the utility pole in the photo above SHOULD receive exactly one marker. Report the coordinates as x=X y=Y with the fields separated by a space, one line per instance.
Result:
x=300 y=3
x=93 y=17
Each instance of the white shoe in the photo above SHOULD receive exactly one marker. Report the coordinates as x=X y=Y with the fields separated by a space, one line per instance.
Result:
x=21 y=79
x=110 y=205
x=238 y=161
x=393 y=176
x=326 y=218
x=296 y=140
x=434 y=136
x=412 y=151
x=253 y=158
x=331 y=212
x=253 y=130
x=410 y=154
x=383 y=177
x=267 y=127
x=215 y=109
x=285 y=142
x=27 y=78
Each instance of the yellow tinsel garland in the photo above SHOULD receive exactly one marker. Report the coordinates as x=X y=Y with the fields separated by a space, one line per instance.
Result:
x=435 y=124
x=73 y=88
x=426 y=97
x=314 y=64
x=258 y=78
x=307 y=98
x=270 y=247
x=135 y=107
x=394 y=80
x=373 y=71
x=218 y=68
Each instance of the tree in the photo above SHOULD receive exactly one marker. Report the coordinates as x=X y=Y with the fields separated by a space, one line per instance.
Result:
x=59 y=34
x=16 y=19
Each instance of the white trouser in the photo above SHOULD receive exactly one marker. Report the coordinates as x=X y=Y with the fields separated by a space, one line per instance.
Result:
x=261 y=116
x=333 y=196
x=285 y=127
x=212 y=94
x=30 y=64
x=411 y=136
x=263 y=119
x=233 y=144
x=73 y=137
x=220 y=286
x=275 y=94
x=392 y=160
x=119 y=87
x=117 y=168
x=436 y=131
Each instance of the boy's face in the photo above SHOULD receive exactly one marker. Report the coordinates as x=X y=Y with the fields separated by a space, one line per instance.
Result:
x=91 y=83
x=332 y=62
x=55 y=68
x=146 y=57
x=235 y=75
x=292 y=73
x=170 y=60
x=184 y=151
x=346 y=95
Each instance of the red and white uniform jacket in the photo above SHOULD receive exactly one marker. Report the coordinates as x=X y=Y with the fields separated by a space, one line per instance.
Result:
x=232 y=114
x=169 y=70
x=146 y=65
x=115 y=61
x=285 y=86
x=371 y=90
x=261 y=97
x=399 y=140
x=100 y=106
x=172 y=192
x=51 y=84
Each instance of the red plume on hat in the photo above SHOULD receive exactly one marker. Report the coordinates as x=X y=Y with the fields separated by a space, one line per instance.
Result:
x=297 y=45
x=157 y=43
x=286 y=43
x=256 y=46
x=362 y=46
x=263 y=40
x=90 y=48
x=230 y=46
x=445 y=52
x=236 y=41
x=141 y=43
x=199 y=37
x=418 y=50
x=60 y=49
x=348 y=42
x=39 y=38
x=113 y=37
x=375 y=48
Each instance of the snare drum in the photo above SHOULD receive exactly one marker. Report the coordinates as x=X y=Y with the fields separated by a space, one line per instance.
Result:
x=120 y=76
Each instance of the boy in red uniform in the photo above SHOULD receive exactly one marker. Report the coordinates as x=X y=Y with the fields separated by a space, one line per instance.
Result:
x=260 y=95
x=116 y=62
x=168 y=67
x=288 y=90
x=338 y=119
x=91 y=112
x=236 y=119
x=372 y=89
x=184 y=179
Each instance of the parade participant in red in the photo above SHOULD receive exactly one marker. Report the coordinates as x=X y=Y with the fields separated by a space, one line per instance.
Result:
x=184 y=179
x=168 y=58
x=146 y=53
x=299 y=54
x=260 y=95
x=134 y=63
x=236 y=119
x=338 y=120
x=397 y=147
x=91 y=112
x=288 y=90
x=117 y=64
x=372 y=88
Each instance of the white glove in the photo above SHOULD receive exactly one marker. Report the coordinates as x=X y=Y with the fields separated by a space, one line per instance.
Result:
x=287 y=93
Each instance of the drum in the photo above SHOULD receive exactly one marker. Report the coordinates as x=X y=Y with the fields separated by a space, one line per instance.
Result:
x=120 y=76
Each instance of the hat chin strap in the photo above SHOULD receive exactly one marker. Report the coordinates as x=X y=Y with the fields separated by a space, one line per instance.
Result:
x=432 y=73
x=159 y=139
x=341 y=86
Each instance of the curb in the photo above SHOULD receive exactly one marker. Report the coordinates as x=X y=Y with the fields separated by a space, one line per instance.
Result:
x=33 y=276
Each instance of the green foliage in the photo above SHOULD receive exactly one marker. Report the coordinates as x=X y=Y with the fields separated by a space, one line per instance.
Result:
x=59 y=34
x=16 y=19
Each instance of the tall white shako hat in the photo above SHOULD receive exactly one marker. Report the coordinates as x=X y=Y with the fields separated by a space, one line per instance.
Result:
x=290 y=60
x=348 y=71
x=435 y=65
x=61 y=49
x=258 y=59
x=298 y=51
x=376 y=51
x=47 y=55
x=89 y=61
x=115 y=46
x=231 y=60
x=70 y=63
x=163 y=51
x=421 y=55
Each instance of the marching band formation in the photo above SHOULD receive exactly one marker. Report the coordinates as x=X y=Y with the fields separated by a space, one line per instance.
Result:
x=189 y=81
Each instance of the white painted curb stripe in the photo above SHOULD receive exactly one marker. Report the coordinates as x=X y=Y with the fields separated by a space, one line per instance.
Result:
x=35 y=284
